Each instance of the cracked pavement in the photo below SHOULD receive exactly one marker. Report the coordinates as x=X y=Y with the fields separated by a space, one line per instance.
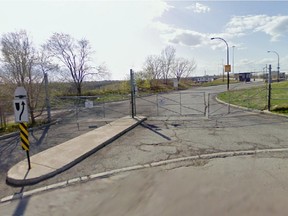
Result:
x=157 y=139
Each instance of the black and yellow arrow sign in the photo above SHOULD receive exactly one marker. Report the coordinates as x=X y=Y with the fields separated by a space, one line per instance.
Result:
x=24 y=136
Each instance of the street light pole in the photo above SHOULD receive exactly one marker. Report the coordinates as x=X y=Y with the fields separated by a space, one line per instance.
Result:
x=219 y=38
x=278 y=67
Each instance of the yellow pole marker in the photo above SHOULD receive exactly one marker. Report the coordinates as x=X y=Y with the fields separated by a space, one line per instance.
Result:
x=24 y=136
x=24 y=140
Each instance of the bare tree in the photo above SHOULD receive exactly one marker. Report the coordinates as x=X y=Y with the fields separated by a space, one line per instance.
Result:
x=152 y=68
x=183 y=68
x=75 y=55
x=167 y=65
x=168 y=58
x=20 y=61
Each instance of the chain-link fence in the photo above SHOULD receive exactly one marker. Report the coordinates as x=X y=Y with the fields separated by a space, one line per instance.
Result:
x=87 y=111
x=262 y=96
x=172 y=104
x=81 y=111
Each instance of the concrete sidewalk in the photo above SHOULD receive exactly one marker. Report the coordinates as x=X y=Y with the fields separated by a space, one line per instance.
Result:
x=63 y=156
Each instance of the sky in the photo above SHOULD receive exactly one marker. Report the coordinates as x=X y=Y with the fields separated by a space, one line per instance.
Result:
x=124 y=33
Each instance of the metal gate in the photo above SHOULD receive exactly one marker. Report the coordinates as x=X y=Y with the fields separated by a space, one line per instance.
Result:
x=172 y=104
x=216 y=108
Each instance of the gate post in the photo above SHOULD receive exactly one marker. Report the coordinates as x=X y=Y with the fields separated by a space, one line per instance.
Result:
x=205 y=105
x=133 y=101
x=180 y=101
x=208 y=106
x=157 y=102
x=269 y=88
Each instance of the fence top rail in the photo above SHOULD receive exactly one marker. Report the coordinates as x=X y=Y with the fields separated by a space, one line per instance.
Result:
x=77 y=97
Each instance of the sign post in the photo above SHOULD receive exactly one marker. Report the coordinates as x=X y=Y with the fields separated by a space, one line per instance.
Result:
x=133 y=95
x=21 y=116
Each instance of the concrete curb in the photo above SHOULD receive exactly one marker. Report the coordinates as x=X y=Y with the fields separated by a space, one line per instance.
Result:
x=134 y=168
x=24 y=182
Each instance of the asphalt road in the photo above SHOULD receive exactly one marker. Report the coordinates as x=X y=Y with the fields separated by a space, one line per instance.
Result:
x=159 y=138
x=231 y=186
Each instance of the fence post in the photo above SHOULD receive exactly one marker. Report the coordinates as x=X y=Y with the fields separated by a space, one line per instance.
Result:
x=269 y=88
x=205 y=104
x=77 y=111
x=157 y=102
x=180 y=104
x=208 y=106
x=133 y=102
x=47 y=99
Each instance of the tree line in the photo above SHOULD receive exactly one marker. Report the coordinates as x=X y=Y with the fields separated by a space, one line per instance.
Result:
x=166 y=66
x=22 y=63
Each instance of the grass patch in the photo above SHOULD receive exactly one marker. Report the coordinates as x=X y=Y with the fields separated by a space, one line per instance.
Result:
x=257 y=97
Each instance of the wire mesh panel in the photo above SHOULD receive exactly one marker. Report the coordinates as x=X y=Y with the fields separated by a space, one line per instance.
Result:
x=215 y=108
x=172 y=104
x=87 y=111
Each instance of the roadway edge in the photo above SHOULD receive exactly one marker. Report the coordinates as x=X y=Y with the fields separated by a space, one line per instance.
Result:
x=134 y=168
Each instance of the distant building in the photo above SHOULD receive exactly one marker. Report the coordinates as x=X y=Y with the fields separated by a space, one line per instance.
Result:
x=201 y=79
x=282 y=76
x=243 y=77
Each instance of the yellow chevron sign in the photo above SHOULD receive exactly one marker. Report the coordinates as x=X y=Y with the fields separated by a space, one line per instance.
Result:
x=24 y=136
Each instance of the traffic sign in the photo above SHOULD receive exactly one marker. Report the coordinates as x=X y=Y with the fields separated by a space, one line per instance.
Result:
x=20 y=92
x=21 y=110
x=20 y=105
x=21 y=115
x=227 y=68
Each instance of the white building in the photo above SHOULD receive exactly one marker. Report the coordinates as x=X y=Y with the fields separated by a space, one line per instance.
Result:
x=206 y=78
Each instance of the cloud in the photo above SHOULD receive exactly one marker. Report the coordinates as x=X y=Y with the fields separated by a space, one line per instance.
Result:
x=275 y=26
x=188 y=38
x=180 y=36
x=198 y=8
x=240 y=24
x=151 y=9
